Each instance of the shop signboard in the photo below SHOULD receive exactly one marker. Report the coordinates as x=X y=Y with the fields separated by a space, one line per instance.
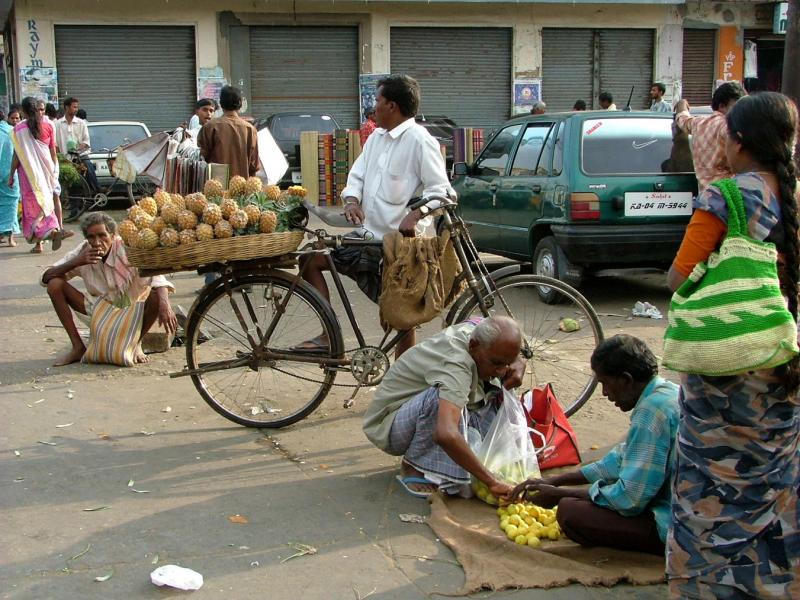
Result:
x=780 y=18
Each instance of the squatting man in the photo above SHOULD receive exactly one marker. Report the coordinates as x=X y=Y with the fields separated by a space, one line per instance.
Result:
x=450 y=378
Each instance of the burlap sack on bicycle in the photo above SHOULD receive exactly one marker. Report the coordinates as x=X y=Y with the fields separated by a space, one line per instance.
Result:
x=418 y=276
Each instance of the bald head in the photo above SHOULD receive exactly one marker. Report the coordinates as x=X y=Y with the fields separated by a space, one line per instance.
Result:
x=494 y=345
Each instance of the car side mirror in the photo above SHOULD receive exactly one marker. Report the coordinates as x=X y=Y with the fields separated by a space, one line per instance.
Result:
x=460 y=169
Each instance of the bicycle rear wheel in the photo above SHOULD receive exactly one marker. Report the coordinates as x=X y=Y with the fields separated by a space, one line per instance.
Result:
x=559 y=357
x=75 y=199
x=226 y=325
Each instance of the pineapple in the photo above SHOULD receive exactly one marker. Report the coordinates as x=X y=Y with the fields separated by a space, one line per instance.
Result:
x=204 y=232
x=268 y=221
x=178 y=201
x=187 y=220
x=169 y=238
x=161 y=197
x=223 y=229
x=212 y=214
x=253 y=214
x=252 y=186
x=273 y=192
x=142 y=219
x=196 y=203
x=149 y=205
x=228 y=207
x=135 y=210
x=236 y=186
x=169 y=213
x=146 y=239
x=297 y=190
x=213 y=189
x=187 y=236
x=158 y=224
x=127 y=231
x=238 y=220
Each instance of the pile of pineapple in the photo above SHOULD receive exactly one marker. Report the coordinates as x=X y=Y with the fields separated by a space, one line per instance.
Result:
x=246 y=207
x=527 y=524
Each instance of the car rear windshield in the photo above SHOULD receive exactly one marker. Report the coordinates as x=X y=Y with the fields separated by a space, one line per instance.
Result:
x=110 y=137
x=634 y=146
x=290 y=126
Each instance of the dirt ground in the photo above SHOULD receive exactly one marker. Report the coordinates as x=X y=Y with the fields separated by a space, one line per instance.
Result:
x=74 y=437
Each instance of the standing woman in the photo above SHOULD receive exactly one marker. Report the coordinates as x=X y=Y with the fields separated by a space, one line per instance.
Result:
x=35 y=156
x=735 y=511
x=9 y=194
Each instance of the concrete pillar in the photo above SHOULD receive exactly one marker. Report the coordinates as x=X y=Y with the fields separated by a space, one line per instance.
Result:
x=669 y=60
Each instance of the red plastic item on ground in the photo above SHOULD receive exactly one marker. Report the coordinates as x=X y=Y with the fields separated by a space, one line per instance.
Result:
x=555 y=442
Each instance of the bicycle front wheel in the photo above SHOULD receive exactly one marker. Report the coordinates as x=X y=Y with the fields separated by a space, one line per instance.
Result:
x=560 y=356
x=224 y=329
x=75 y=199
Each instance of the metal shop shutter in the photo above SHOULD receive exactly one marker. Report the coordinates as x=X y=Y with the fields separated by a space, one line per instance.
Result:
x=566 y=67
x=128 y=73
x=311 y=69
x=699 y=50
x=464 y=72
x=626 y=59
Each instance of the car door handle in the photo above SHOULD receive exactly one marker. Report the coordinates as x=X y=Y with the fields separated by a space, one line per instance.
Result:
x=536 y=188
x=493 y=187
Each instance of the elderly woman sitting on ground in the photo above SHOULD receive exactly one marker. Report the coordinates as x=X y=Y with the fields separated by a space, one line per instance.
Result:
x=102 y=264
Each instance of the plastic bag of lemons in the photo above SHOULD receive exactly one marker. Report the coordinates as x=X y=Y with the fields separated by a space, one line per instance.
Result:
x=527 y=524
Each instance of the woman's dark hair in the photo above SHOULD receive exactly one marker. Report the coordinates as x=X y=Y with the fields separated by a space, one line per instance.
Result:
x=51 y=111
x=32 y=115
x=765 y=124
x=403 y=91
x=230 y=98
x=81 y=114
x=625 y=354
x=730 y=90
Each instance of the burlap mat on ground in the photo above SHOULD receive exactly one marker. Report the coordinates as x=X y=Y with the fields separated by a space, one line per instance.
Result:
x=490 y=561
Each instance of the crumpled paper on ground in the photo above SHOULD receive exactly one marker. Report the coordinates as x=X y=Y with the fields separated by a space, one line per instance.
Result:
x=177 y=577
x=645 y=309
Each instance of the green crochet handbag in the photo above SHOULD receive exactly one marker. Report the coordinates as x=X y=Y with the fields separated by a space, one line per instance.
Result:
x=729 y=316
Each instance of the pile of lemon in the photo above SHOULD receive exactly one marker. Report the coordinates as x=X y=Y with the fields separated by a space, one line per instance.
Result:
x=528 y=524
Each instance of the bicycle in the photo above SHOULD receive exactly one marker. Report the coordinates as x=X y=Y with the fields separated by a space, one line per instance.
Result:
x=80 y=196
x=243 y=331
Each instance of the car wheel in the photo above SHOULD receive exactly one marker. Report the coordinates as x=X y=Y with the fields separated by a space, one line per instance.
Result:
x=549 y=260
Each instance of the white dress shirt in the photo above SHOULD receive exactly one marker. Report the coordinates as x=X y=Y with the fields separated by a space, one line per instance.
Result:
x=77 y=131
x=394 y=167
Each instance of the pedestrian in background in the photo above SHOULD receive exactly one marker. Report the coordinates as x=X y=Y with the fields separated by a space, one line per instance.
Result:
x=538 y=108
x=35 y=156
x=579 y=105
x=203 y=112
x=658 y=104
x=710 y=134
x=229 y=139
x=41 y=108
x=735 y=511
x=9 y=194
x=367 y=127
x=607 y=101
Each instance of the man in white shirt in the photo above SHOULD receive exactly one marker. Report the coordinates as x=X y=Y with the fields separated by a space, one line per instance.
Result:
x=72 y=135
x=400 y=161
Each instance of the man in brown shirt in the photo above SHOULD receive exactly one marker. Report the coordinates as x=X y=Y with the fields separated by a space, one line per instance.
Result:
x=230 y=139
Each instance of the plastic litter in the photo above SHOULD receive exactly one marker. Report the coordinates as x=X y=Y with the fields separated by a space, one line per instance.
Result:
x=645 y=309
x=177 y=577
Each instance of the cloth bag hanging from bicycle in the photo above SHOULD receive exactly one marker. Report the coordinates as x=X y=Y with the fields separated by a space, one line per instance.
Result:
x=418 y=276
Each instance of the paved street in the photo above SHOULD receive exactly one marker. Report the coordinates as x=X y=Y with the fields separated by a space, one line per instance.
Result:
x=110 y=471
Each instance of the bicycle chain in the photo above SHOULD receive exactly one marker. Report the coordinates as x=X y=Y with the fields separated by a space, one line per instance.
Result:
x=347 y=385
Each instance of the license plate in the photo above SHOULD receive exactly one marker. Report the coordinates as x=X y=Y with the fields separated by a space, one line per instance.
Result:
x=658 y=204
x=297 y=177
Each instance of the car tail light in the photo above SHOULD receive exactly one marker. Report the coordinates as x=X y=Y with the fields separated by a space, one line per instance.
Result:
x=584 y=206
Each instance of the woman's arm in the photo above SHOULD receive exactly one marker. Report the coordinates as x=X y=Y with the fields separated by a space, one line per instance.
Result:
x=703 y=234
x=14 y=166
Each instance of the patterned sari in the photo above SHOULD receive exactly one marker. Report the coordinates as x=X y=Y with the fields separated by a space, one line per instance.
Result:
x=37 y=181
x=735 y=511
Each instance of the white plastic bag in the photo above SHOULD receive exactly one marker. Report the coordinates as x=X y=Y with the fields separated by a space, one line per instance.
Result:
x=177 y=577
x=507 y=451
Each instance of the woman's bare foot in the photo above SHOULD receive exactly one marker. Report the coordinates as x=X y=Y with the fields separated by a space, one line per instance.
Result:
x=11 y=242
x=140 y=357
x=406 y=470
x=75 y=355
x=38 y=248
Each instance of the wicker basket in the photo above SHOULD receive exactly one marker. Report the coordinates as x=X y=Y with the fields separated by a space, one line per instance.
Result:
x=188 y=257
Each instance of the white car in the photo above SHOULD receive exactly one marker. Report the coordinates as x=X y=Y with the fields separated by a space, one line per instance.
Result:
x=107 y=136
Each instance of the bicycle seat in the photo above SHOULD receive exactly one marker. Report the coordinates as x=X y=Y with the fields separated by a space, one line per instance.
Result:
x=329 y=216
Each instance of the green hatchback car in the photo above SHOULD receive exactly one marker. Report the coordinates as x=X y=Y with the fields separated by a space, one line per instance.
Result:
x=581 y=191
